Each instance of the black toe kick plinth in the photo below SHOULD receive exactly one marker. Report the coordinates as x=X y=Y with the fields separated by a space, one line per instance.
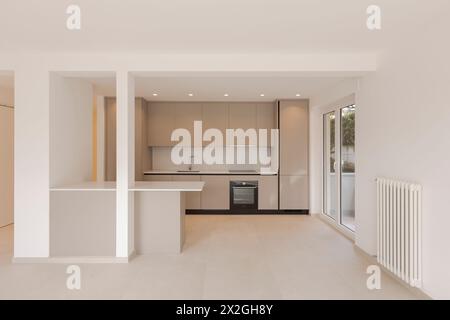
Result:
x=247 y=211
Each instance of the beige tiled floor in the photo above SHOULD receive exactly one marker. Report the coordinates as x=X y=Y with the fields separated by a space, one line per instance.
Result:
x=229 y=257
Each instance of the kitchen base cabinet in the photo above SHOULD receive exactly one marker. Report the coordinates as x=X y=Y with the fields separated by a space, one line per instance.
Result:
x=192 y=199
x=158 y=178
x=215 y=194
x=294 y=193
x=268 y=193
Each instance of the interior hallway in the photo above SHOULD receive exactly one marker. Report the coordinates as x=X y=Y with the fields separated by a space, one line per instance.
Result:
x=225 y=257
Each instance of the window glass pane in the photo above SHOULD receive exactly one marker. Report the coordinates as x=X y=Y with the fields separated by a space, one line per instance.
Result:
x=329 y=152
x=348 y=167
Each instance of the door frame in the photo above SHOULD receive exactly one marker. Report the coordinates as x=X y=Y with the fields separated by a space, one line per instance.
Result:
x=336 y=108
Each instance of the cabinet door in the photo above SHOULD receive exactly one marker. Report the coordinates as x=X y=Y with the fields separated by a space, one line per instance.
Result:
x=294 y=137
x=158 y=177
x=242 y=115
x=110 y=139
x=6 y=165
x=294 y=192
x=266 y=116
x=192 y=198
x=140 y=138
x=186 y=114
x=266 y=119
x=268 y=193
x=161 y=123
x=215 y=194
x=215 y=115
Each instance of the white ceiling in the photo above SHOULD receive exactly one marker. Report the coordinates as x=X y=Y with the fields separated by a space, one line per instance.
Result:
x=237 y=88
x=212 y=26
x=205 y=88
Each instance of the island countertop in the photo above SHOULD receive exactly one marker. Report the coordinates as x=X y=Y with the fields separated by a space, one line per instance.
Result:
x=209 y=173
x=175 y=186
x=180 y=186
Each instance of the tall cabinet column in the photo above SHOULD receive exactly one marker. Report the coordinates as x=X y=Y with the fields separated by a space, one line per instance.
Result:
x=294 y=149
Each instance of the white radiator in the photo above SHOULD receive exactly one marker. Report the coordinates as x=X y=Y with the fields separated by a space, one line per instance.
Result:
x=399 y=227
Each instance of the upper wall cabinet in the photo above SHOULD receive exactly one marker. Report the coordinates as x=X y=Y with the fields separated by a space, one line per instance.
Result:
x=164 y=117
x=160 y=124
x=242 y=115
x=215 y=115
x=266 y=116
x=186 y=114
x=294 y=135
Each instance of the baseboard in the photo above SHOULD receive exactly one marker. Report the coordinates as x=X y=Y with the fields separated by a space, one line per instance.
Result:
x=416 y=291
x=246 y=212
x=72 y=260
x=330 y=222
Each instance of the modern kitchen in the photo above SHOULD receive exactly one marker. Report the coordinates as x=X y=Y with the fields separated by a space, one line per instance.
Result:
x=258 y=139
x=229 y=188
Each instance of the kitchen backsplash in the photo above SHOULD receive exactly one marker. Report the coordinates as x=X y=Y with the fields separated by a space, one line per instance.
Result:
x=161 y=160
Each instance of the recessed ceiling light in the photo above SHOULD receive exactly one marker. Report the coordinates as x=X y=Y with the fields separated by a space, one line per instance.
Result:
x=261 y=95
x=190 y=94
x=155 y=94
x=298 y=95
x=226 y=95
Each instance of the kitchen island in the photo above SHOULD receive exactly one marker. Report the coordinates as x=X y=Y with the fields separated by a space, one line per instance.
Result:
x=83 y=217
x=159 y=208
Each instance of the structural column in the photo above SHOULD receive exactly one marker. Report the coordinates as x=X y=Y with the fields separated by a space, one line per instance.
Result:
x=125 y=165
x=31 y=162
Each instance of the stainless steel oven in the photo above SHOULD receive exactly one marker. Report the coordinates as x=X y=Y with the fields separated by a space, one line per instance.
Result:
x=244 y=195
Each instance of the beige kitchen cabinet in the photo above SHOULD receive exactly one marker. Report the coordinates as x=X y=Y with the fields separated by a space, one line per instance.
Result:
x=215 y=115
x=242 y=115
x=160 y=123
x=294 y=192
x=294 y=137
x=110 y=139
x=215 y=194
x=186 y=114
x=268 y=192
x=158 y=177
x=266 y=116
x=142 y=151
x=6 y=165
x=294 y=149
x=192 y=198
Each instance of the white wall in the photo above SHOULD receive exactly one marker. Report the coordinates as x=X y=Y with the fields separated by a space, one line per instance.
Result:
x=71 y=112
x=403 y=130
x=31 y=161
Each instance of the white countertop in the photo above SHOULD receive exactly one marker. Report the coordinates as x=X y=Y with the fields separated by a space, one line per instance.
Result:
x=180 y=186
x=87 y=186
x=175 y=186
x=212 y=173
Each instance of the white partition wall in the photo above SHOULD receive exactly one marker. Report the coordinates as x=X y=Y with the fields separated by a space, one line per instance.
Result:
x=125 y=165
x=71 y=105
x=31 y=167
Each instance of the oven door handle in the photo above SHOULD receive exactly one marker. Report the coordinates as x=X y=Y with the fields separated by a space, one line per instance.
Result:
x=245 y=187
